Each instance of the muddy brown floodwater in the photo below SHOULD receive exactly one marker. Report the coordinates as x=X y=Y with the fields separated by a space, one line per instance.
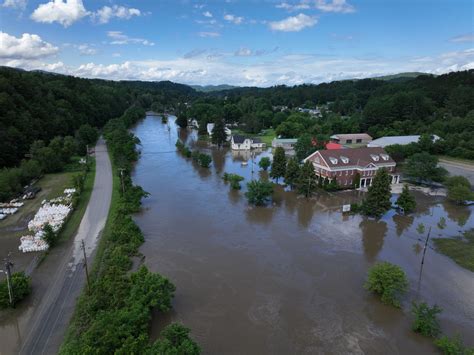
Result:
x=286 y=278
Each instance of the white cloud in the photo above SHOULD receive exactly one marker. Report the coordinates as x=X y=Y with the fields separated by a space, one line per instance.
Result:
x=293 y=23
x=334 y=6
x=243 y=52
x=86 y=49
x=105 y=14
x=28 y=46
x=64 y=12
x=119 y=38
x=208 y=34
x=15 y=4
x=207 y=14
x=468 y=37
x=293 y=7
x=237 y=20
x=116 y=55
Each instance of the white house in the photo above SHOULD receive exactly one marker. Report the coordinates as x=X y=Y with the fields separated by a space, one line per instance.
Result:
x=210 y=128
x=244 y=143
x=193 y=123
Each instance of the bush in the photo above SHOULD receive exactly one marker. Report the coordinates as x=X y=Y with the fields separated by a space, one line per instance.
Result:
x=21 y=287
x=459 y=189
x=265 y=163
x=425 y=321
x=49 y=235
x=453 y=346
x=204 y=160
x=259 y=192
x=234 y=180
x=388 y=281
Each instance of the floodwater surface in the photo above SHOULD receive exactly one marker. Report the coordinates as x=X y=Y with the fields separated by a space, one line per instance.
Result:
x=287 y=278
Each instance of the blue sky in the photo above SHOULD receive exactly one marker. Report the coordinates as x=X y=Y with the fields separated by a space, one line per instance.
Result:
x=236 y=42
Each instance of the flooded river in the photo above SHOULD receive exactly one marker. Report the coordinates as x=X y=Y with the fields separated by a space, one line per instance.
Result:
x=287 y=278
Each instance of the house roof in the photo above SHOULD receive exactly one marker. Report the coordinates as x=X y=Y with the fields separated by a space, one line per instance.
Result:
x=238 y=138
x=257 y=140
x=352 y=136
x=285 y=140
x=331 y=146
x=402 y=140
x=360 y=157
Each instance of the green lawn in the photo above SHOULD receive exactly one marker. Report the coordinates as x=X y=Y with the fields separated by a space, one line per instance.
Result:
x=266 y=137
x=456 y=160
x=460 y=249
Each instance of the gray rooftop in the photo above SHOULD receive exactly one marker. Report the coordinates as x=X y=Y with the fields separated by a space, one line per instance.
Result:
x=402 y=140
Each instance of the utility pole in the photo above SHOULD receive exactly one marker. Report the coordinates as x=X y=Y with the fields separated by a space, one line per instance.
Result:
x=423 y=261
x=87 y=153
x=85 y=265
x=8 y=273
x=121 y=178
x=251 y=155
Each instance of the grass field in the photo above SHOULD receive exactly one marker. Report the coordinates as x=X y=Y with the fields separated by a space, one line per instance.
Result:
x=460 y=249
x=266 y=138
x=456 y=160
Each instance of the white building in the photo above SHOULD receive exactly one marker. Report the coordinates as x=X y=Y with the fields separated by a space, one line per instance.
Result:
x=244 y=143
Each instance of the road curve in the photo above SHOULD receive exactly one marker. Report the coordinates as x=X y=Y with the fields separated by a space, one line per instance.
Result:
x=51 y=319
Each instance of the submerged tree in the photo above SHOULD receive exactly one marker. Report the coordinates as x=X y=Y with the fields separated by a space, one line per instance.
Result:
x=387 y=280
x=259 y=192
x=377 y=201
x=234 y=180
x=406 y=201
x=279 y=164
x=219 y=135
x=265 y=163
x=182 y=120
x=426 y=322
x=292 y=172
x=307 y=182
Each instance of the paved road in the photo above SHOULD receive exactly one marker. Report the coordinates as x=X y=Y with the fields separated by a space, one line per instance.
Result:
x=49 y=323
x=458 y=168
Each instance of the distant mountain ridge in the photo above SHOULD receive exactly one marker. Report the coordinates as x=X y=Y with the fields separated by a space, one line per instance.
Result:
x=211 y=88
x=401 y=76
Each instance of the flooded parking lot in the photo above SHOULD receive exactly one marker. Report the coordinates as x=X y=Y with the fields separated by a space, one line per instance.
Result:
x=286 y=278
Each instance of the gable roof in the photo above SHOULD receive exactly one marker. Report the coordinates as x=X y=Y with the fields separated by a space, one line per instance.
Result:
x=360 y=157
x=238 y=138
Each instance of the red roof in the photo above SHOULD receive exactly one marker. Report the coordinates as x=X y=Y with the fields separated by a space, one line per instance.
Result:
x=331 y=146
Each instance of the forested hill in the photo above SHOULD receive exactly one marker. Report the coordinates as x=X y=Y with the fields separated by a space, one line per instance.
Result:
x=40 y=106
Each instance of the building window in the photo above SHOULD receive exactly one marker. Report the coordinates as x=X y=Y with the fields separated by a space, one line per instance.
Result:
x=349 y=141
x=358 y=140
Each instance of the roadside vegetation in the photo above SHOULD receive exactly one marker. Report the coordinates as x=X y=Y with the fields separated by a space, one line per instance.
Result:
x=114 y=314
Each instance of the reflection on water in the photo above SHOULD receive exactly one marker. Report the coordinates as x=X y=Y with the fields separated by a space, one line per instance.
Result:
x=286 y=278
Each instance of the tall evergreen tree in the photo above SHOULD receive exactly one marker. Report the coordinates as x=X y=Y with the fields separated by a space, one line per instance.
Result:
x=307 y=181
x=202 y=129
x=406 y=201
x=279 y=164
x=292 y=172
x=219 y=135
x=182 y=120
x=377 y=201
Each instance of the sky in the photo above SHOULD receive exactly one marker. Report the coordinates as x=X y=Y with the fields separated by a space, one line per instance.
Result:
x=237 y=42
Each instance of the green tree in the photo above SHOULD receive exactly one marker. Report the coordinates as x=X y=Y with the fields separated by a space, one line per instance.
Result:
x=70 y=147
x=21 y=287
x=388 y=281
x=377 y=201
x=426 y=322
x=259 y=192
x=406 y=201
x=50 y=236
x=278 y=164
x=86 y=134
x=307 y=182
x=304 y=147
x=182 y=120
x=459 y=189
x=265 y=163
x=219 y=135
x=292 y=173
x=424 y=167
x=174 y=340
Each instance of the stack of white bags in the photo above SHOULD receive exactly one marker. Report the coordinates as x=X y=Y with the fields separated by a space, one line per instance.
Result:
x=52 y=213
x=9 y=208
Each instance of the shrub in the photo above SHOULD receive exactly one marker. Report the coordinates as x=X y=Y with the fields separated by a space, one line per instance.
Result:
x=425 y=321
x=388 y=281
x=50 y=236
x=264 y=163
x=453 y=346
x=204 y=160
x=234 y=180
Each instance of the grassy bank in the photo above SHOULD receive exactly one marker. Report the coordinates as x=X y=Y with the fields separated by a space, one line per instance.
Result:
x=460 y=249
x=266 y=137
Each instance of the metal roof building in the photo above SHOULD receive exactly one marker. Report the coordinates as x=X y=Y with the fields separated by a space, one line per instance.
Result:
x=402 y=140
